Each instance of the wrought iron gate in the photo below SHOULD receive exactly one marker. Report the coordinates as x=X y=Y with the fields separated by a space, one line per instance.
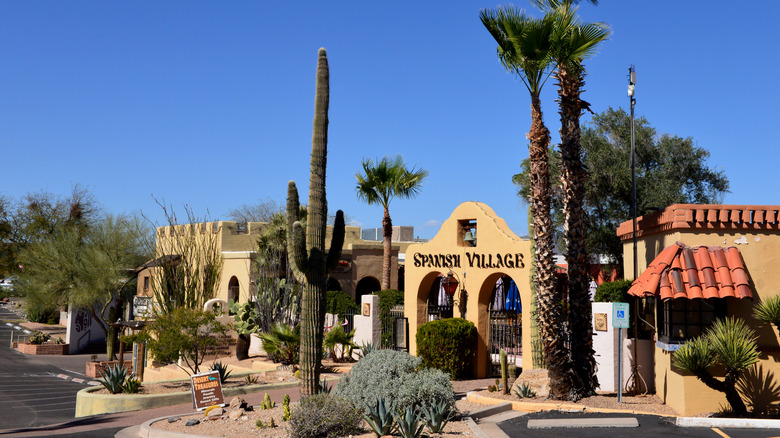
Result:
x=505 y=325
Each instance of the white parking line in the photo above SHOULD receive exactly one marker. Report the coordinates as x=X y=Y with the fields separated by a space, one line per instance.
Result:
x=16 y=400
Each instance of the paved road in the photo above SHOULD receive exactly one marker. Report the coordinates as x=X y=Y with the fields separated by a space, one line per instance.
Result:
x=649 y=426
x=34 y=393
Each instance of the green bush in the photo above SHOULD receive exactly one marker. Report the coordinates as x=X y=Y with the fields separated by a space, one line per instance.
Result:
x=448 y=345
x=393 y=375
x=322 y=416
x=338 y=303
x=613 y=292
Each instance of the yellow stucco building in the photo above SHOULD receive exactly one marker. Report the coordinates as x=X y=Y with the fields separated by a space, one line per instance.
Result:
x=477 y=249
x=698 y=263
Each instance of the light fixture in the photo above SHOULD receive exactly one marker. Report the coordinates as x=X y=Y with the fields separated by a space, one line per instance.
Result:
x=470 y=239
x=450 y=284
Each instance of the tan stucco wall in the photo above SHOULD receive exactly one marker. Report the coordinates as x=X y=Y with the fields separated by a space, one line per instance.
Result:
x=760 y=249
x=494 y=239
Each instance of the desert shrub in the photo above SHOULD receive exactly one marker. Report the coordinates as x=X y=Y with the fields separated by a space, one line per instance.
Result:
x=448 y=345
x=393 y=375
x=324 y=415
x=426 y=388
x=338 y=303
x=613 y=292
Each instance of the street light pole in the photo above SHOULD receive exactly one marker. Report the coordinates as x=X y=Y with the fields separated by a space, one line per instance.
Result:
x=632 y=101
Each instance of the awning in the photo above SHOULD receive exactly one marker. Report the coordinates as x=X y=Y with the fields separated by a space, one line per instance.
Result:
x=681 y=271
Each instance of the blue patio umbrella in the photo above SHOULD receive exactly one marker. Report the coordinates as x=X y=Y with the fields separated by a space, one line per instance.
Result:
x=513 y=298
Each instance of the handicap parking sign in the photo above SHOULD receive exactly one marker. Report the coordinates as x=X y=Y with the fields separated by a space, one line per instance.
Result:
x=620 y=315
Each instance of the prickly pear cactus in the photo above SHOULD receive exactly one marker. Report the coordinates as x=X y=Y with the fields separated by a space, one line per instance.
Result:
x=306 y=251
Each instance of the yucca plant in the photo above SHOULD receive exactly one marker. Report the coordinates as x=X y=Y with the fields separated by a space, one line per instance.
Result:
x=768 y=310
x=437 y=415
x=282 y=342
x=729 y=343
x=222 y=369
x=409 y=424
x=380 y=416
x=113 y=378
x=324 y=388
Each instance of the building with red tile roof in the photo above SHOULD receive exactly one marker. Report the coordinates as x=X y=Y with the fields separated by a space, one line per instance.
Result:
x=698 y=263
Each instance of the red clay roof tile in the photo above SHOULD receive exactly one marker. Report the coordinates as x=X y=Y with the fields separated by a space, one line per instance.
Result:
x=680 y=271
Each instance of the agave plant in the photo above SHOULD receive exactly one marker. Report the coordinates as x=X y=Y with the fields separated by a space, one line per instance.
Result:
x=113 y=378
x=132 y=385
x=222 y=369
x=768 y=310
x=409 y=424
x=524 y=391
x=438 y=415
x=729 y=343
x=380 y=416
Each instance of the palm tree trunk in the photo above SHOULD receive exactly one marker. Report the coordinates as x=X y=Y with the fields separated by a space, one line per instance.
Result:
x=550 y=312
x=573 y=176
x=387 y=234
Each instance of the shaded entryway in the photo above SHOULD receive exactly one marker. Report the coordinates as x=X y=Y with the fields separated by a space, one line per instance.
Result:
x=233 y=289
x=366 y=286
x=504 y=321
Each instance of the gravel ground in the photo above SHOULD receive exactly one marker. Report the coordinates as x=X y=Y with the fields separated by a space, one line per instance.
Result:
x=184 y=385
x=245 y=425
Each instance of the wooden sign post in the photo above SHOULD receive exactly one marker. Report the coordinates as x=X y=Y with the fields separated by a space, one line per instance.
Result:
x=206 y=390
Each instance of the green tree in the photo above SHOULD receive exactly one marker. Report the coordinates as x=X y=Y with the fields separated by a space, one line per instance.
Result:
x=186 y=334
x=525 y=47
x=669 y=170
x=574 y=42
x=90 y=268
x=729 y=343
x=380 y=182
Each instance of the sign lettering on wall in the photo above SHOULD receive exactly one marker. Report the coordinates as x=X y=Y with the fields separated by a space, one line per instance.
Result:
x=473 y=260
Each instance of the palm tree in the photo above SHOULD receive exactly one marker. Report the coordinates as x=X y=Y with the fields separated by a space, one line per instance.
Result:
x=524 y=48
x=379 y=183
x=574 y=42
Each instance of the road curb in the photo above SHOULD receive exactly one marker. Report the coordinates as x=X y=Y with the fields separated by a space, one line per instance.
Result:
x=742 y=423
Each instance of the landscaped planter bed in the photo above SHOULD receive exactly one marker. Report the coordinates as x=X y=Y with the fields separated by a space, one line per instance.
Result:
x=45 y=348
x=94 y=368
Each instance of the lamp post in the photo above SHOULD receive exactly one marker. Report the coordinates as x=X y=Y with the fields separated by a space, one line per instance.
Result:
x=632 y=102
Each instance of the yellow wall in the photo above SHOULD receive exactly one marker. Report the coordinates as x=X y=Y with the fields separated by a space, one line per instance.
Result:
x=760 y=249
x=494 y=240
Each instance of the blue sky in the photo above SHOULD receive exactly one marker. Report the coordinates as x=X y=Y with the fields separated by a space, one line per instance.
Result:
x=211 y=103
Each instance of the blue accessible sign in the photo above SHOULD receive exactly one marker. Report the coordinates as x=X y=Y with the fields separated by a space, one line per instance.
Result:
x=620 y=315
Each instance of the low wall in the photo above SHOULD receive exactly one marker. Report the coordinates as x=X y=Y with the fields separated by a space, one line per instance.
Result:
x=48 y=348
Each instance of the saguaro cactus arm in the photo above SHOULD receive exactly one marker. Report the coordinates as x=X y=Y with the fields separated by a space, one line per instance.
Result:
x=296 y=238
x=336 y=242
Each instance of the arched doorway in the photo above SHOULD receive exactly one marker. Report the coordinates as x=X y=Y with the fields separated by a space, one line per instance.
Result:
x=439 y=304
x=504 y=321
x=333 y=284
x=233 y=289
x=366 y=286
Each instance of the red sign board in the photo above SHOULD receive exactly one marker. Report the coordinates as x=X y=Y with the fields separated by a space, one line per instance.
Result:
x=206 y=390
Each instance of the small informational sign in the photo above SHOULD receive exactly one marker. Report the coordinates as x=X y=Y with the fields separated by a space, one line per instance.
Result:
x=142 y=306
x=620 y=315
x=206 y=390
x=366 y=309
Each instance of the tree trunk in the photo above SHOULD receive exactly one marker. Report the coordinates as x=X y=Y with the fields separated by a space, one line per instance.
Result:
x=387 y=234
x=550 y=312
x=242 y=347
x=573 y=177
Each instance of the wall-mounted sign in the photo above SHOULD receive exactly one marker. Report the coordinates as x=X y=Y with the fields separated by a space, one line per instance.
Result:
x=600 y=322
x=366 y=309
x=206 y=390
x=142 y=306
x=620 y=315
x=473 y=260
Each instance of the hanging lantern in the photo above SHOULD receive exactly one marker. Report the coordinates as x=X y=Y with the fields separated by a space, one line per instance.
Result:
x=450 y=284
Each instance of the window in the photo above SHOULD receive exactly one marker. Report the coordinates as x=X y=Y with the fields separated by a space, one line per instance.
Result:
x=682 y=318
x=146 y=284
x=467 y=232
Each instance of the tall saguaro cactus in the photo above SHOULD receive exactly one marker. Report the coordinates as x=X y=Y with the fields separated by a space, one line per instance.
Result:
x=306 y=250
